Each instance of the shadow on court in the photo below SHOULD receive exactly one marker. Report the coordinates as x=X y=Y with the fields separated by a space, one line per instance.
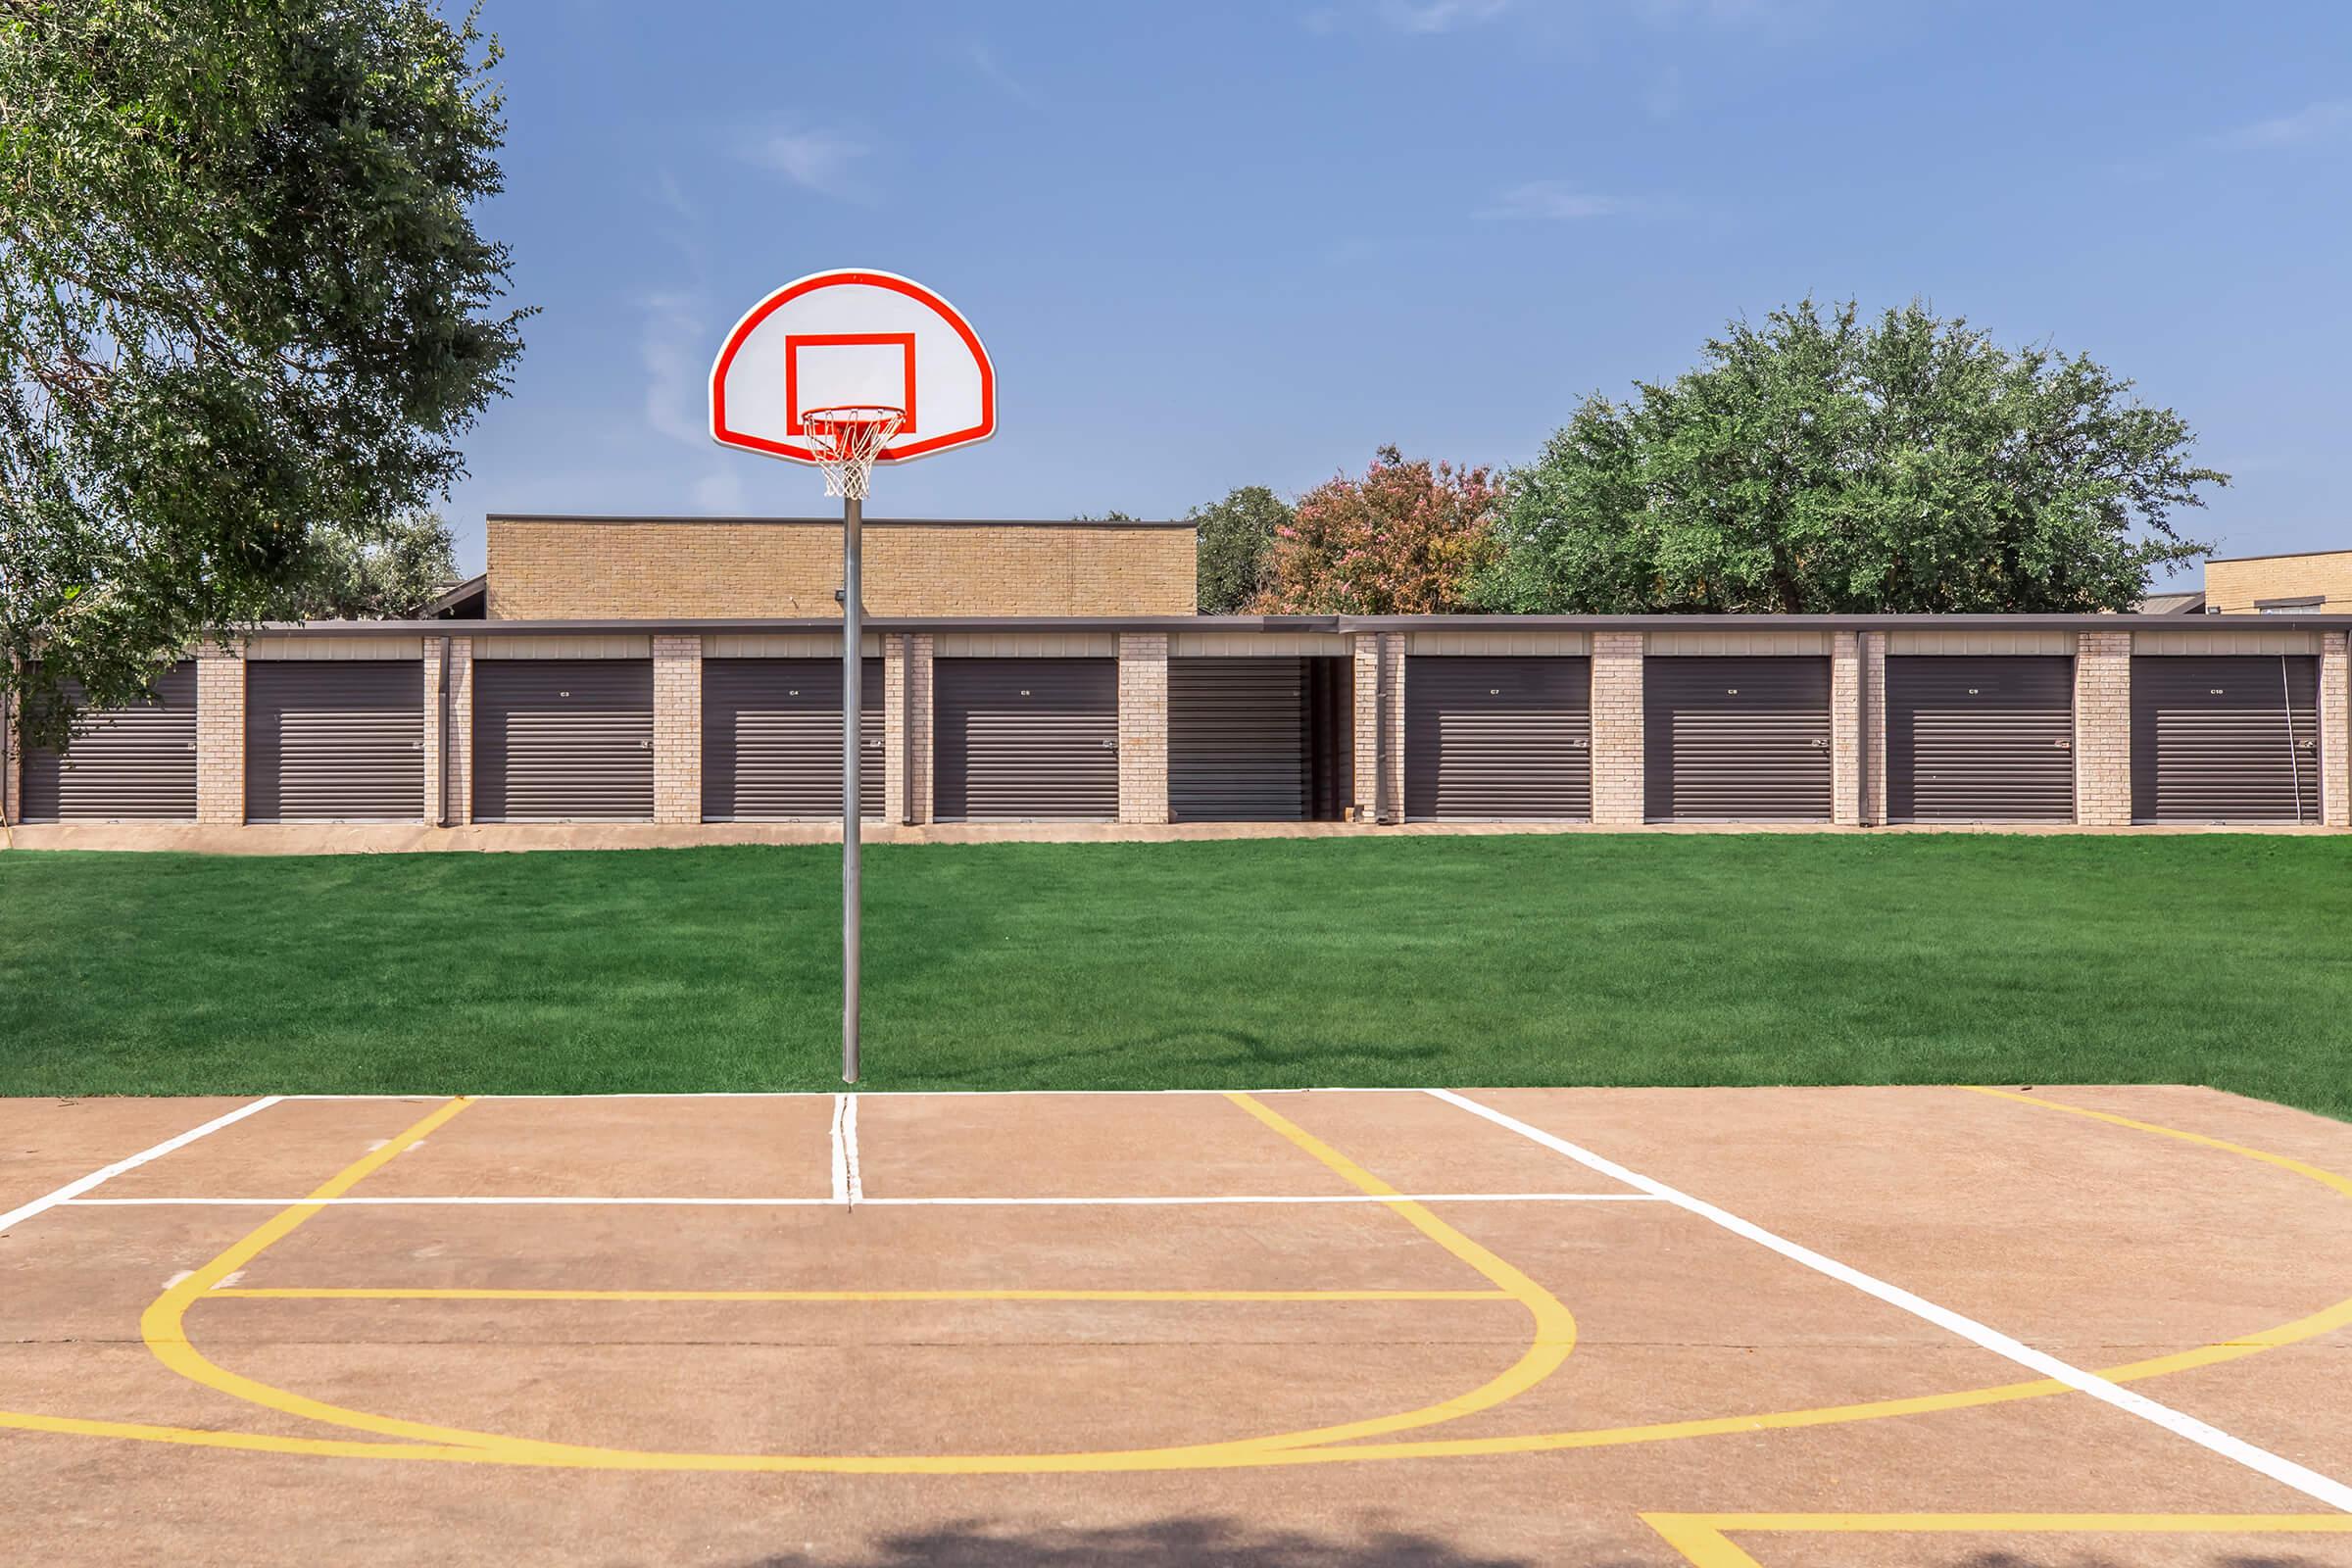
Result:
x=1188 y=1542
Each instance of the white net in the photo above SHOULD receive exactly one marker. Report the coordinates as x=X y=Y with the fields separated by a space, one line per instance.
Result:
x=846 y=442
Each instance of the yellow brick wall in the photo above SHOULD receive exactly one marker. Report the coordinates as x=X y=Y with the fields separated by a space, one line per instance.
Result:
x=550 y=570
x=2233 y=587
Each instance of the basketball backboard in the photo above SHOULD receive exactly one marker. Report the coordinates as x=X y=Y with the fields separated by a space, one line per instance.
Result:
x=852 y=338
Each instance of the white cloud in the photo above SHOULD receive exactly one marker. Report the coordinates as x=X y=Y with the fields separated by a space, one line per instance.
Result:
x=984 y=60
x=1550 y=200
x=2310 y=122
x=1439 y=16
x=822 y=161
x=672 y=348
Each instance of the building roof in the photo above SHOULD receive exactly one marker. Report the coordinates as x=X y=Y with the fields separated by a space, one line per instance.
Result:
x=2188 y=603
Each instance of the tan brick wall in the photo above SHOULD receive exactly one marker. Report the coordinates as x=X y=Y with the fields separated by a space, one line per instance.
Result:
x=553 y=571
x=461 y=731
x=2336 y=741
x=1142 y=727
x=1617 y=740
x=921 y=652
x=2236 y=587
x=1845 y=729
x=2103 y=728
x=678 y=729
x=219 y=737
x=12 y=769
x=1392 y=743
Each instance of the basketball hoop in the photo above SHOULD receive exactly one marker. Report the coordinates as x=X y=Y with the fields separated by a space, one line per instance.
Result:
x=846 y=440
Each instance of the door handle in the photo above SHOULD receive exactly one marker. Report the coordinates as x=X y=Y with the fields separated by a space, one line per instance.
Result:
x=1111 y=746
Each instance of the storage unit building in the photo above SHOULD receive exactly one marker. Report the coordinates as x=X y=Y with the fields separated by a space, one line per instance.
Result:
x=334 y=741
x=1980 y=738
x=564 y=740
x=133 y=763
x=1026 y=739
x=1739 y=738
x=1259 y=740
x=1497 y=738
x=2224 y=738
x=772 y=739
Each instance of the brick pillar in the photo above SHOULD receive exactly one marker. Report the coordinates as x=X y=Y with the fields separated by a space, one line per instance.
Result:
x=1845 y=728
x=1874 y=728
x=1142 y=727
x=1366 y=747
x=12 y=766
x=461 y=731
x=1391 y=744
x=1617 y=741
x=894 y=727
x=436 y=744
x=220 y=736
x=677 y=729
x=2103 y=728
x=2335 y=740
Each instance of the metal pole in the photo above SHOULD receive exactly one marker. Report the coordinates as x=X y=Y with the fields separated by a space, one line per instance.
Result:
x=852 y=518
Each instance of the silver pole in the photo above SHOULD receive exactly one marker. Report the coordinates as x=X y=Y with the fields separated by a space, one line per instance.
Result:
x=852 y=518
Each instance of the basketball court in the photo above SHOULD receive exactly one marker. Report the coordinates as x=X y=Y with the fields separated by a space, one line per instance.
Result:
x=1598 y=1327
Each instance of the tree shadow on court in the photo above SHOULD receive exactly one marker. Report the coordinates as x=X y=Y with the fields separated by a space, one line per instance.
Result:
x=1187 y=1542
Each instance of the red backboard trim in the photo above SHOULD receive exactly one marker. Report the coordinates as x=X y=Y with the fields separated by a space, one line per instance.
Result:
x=794 y=342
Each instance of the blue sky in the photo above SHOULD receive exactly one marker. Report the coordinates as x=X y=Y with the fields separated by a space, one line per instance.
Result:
x=1216 y=244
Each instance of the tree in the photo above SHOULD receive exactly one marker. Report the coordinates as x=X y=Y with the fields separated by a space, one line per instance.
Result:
x=1234 y=537
x=1406 y=539
x=387 y=579
x=1821 y=463
x=244 y=309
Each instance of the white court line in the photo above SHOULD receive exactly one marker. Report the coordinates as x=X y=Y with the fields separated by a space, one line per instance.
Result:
x=899 y=1094
x=82 y=1184
x=1207 y=1199
x=841 y=1154
x=2323 y=1489
x=849 y=1147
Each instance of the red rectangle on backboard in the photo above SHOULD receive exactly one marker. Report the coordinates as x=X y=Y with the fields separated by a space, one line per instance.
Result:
x=794 y=342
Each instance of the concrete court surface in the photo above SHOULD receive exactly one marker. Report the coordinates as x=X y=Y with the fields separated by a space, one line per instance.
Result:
x=1968 y=1328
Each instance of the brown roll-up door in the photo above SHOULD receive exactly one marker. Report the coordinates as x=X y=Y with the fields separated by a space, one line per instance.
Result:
x=133 y=763
x=772 y=739
x=1026 y=739
x=1238 y=740
x=1498 y=739
x=2224 y=738
x=1980 y=739
x=562 y=740
x=334 y=741
x=1736 y=740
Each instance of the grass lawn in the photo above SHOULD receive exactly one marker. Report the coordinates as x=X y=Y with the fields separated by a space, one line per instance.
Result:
x=1620 y=959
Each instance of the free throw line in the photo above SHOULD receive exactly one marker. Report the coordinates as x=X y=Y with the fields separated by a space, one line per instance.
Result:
x=82 y=1184
x=2321 y=1488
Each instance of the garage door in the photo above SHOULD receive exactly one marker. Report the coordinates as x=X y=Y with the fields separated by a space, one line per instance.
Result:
x=136 y=764
x=1979 y=740
x=1026 y=739
x=2225 y=739
x=1237 y=740
x=334 y=741
x=772 y=739
x=1492 y=740
x=1736 y=740
x=564 y=740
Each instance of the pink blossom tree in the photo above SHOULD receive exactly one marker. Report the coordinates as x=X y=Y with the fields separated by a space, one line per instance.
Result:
x=1404 y=540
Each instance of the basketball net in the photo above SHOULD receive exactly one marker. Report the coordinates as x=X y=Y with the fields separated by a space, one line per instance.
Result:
x=845 y=442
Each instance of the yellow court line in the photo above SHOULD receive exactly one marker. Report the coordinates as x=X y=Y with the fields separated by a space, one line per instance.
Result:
x=2325 y=1178
x=1554 y=1327
x=288 y=1293
x=456 y=1445
x=1705 y=1538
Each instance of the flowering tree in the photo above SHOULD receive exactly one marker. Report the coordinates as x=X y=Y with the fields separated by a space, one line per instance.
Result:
x=1404 y=540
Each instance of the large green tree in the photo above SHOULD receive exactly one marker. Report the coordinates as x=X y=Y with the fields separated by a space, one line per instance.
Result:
x=244 y=307
x=1234 y=537
x=388 y=577
x=1823 y=462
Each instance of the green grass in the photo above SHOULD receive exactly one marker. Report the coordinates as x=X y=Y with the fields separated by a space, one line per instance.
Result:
x=1620 y=959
